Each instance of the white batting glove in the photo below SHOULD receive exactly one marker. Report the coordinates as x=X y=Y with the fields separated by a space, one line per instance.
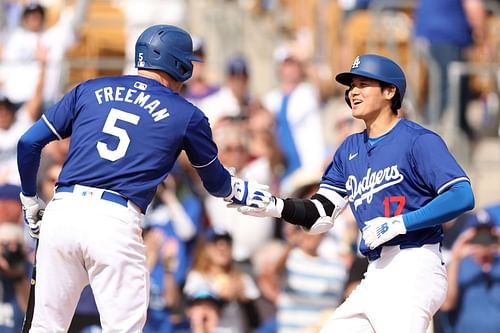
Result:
x=33 y=210
x=272 y=209
x=382 y=229
x=247 y=193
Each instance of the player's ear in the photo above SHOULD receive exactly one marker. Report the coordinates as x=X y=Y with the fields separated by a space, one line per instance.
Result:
x=346 y=97
x=389 y=92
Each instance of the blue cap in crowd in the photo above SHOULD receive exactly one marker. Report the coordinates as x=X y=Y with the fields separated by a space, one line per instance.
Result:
x=237 y=65
x=9 y=192
x=481 y=219
x=485 y=229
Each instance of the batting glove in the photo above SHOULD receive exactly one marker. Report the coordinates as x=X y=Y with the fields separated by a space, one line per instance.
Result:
x=272 y=209
x=32 y=209
x=247 y=193
x=382 y=229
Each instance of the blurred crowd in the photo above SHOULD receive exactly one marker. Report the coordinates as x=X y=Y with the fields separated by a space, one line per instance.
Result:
x=212 y=268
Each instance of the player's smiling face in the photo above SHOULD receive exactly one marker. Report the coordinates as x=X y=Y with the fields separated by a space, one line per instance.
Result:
x=367 y=98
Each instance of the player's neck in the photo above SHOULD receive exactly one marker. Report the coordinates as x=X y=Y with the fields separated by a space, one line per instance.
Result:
x=162 y=77
x=381 y=125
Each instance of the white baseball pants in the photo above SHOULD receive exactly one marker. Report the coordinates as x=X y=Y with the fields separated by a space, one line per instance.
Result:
x=401 y=292
x=85 y=239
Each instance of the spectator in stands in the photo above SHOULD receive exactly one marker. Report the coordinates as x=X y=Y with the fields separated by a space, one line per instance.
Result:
x=233 y=98
x=247 y=233
x=312 y=286
x=163 y=254
x=20 y=52
x=14 y=122
x=264 y=262
x=169 y=213
x=446 y=29
x=10 y=13
x=10 y=205
x=214 y=279
x=295 y=105
x=14 y=283
x=197 y=88
x=472 y=300
x=263 y=143
x=48 y=180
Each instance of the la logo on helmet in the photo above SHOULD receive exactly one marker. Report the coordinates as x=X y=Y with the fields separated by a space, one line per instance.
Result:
x=356 y=63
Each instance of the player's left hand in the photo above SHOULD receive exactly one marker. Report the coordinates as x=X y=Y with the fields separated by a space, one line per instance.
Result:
x=248 y=193
x=382 y=229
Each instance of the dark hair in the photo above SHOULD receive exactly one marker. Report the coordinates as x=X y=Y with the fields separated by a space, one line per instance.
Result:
x=396 y=100
x=34 y=8
x=7 y=103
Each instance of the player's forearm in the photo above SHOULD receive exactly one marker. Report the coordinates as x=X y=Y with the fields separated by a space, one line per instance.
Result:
x=445 y=207
x=300 y=212
x=216 y=179
x=316 y=214
x=29 y=149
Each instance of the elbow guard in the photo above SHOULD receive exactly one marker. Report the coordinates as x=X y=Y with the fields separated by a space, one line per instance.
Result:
x=315 y=215
x=329 y=205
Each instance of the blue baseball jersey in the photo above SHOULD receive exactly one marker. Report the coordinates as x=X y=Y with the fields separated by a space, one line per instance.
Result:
x=126 y=133
x=396 y=175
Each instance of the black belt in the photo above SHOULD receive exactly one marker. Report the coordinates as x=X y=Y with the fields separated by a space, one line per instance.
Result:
x=106 y=195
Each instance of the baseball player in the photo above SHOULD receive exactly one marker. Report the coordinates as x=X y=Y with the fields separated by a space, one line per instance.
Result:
x=126 y=133
x=401 y=183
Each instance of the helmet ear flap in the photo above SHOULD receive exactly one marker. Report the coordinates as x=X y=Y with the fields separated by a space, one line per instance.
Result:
x=346 y=97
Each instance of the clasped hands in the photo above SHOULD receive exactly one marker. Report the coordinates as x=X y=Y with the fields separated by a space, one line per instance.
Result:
x=254 y=199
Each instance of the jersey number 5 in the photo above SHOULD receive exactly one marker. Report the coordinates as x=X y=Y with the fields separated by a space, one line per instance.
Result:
x=399 y=200
x=111 y=128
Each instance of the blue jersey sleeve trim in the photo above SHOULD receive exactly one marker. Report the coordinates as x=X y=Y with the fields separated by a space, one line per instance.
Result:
x=448 y=184
x=205 y=165
x=29 y=149
x=216 y=179
x=458 y=199
x=51 y=127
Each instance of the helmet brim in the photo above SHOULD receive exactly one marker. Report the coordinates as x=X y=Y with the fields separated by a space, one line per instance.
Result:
x=344 y=78
x=195 y=58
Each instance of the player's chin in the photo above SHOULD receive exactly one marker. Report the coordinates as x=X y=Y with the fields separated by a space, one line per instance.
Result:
x=357 y=111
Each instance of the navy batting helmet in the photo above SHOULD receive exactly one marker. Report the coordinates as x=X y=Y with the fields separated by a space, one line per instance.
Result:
x=166 y=48
x=378 y=68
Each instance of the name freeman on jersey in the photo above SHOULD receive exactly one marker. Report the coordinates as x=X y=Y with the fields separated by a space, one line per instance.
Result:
x=372 y=183
x=122 y=94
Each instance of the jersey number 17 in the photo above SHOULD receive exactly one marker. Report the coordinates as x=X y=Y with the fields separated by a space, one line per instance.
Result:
x=398 y=201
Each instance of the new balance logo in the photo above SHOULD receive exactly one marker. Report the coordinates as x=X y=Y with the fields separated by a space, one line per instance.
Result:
x=351 y=156
x=382 y=229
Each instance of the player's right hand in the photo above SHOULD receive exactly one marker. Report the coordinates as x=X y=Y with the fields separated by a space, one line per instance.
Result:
x=248 y=193
x=272 y=209
x=32 y=209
